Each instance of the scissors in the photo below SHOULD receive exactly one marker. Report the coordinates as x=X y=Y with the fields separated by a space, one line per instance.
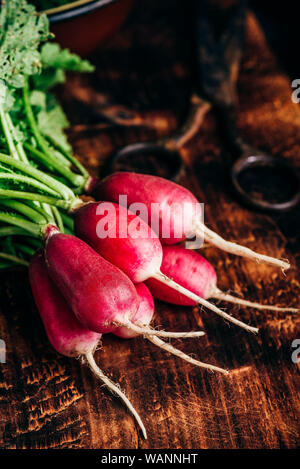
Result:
x=219 y=49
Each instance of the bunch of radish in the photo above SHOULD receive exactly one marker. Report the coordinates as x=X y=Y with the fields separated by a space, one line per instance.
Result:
x=81 y=296
x=139 y=257
x=65 y=333
x=170 y=199
x=89 y=284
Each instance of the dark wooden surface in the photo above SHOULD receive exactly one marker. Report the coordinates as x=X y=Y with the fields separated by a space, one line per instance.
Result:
x=49 y=401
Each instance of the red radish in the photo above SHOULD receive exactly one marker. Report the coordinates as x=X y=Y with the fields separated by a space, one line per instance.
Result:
x=137 y=252
x=138 y=257
x=66 y=334
x=144 y=316
x=196 y=274
x=172 y=201
x=140 y=321
x=101 y=296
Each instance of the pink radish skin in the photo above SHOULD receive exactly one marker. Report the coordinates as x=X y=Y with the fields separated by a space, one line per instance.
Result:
x=148 y=190
x=187 y=268
x=196 y=274
x=140 y=322
x=140 y=257
x=99 y=294
x=144 y=316
x=65 y=333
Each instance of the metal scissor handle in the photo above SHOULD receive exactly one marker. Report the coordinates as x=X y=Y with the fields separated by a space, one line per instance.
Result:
x=167 y=156
x=127 y=159
x=245 y=163
x=245 y=158
x=218 y=62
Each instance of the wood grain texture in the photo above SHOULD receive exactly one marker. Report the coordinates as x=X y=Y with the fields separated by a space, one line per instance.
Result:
x=49 y=401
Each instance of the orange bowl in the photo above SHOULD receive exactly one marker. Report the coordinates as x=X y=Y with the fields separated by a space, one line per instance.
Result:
x=84 y=25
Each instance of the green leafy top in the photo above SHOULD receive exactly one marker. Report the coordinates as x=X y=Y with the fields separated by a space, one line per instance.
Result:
x=21 y=32
x=55 y=63
x=51 y=119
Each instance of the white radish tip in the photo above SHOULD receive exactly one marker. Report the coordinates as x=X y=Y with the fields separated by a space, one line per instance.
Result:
x=285 y=265
x=144 y=330
x=115 y=389
x=238 y=250
x=197 y=299
x=222 y=296
x=174 y=351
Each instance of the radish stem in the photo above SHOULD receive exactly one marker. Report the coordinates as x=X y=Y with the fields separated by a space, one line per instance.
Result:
x=10 y=143
x=49 y=181
x=29 y=212
x=27 y=180
x=20 y=150
x=67 y=220
x=14 y=259
x=27 y=250
x=32 y=228
x=13 y=231
x=43 y=209
x=49 y=161
x=114 y=389
x=58 y=219
x=69 y=157
x=20 y=154
x=46 y=156
x=36 y=197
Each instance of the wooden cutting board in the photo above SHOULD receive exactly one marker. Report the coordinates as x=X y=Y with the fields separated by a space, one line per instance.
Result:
x=49 y=401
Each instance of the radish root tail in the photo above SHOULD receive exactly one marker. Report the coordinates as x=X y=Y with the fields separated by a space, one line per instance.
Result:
x=174 y=351
x=233 y=248
x=167 y=281
x=218 y=294
x=114 y=389
x=175 y=335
